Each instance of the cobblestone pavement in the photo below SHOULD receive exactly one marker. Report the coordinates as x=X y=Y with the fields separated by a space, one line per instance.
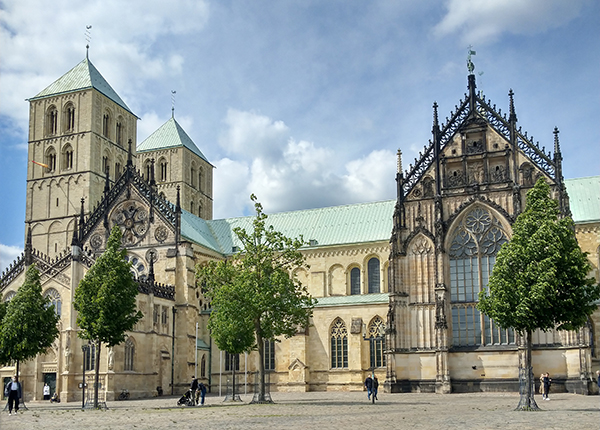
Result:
x=322 y=410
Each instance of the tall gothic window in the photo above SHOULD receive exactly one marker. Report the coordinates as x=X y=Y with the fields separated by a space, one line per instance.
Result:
x=54 y=299
x=377 y=341
x=193 y=177
x=374 y=278
x=232 y=361
x=51 y=159
x=129 y=355
x=269 y=354
x=67 y=157
x=355 y=281
x=339 y=345
x=119 y=133
x=90 y=358
x=200 y=178
x=163 y=170
x=203 y=366
x=106 y=124
x=148 y=169
x=475 y=244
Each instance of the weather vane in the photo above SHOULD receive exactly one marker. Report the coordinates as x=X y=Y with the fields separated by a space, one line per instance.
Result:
x=173 y=92
x=470 y=65
x=88 y=37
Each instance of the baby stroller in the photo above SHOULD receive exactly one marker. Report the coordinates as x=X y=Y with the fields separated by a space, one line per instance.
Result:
x=187 y=399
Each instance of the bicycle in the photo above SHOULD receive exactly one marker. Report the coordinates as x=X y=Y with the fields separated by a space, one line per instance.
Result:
x=124 y=395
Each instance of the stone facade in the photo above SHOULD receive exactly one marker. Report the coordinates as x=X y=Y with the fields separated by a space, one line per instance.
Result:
x=384 y=305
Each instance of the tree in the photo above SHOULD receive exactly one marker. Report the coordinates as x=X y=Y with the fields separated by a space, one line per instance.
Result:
x=540 y=279
x=106 y=300
x=29 y=322
x=254 y=296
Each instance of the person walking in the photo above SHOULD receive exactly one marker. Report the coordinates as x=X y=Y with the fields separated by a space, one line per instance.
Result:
x=547 y=382
x=202 y=389
x=46 y=392
x=375 y=387
x=369 y=386
x=13 y=392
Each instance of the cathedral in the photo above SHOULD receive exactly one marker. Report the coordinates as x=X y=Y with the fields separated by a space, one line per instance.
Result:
x=396 y=281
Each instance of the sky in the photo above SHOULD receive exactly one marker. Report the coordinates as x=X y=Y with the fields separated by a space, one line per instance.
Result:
x=304 y=103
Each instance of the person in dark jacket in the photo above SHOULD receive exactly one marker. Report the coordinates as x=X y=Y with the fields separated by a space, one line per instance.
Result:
x=202 y=389
x=546 y=381
x=369 y=386
x=194 y=388
x=13 y=392
x=375 y=386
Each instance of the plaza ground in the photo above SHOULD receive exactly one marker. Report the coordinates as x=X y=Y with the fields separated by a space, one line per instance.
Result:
x=320 y=410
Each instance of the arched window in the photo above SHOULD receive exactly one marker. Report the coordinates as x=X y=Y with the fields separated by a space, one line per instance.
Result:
x=231 y=361
x=200 y=210
x=90 y=357
x=69 y=115
x=475 y=243
x=67 y=157
x=193 y=176
x=339 y=345
x=192 y=207
x=54 y=299
x=129 y=355
x=377 y=341
x=9 y=296
x=148 y=169
x=51 y=159
x=117 y=169
x=105 y=164
x=269 y=354
x=119 y=132
x=106 y=124
x=163 y=170
x=51 y=121
x=200 y=179
x=374 y=277
x=355 y=281
x=203 y=366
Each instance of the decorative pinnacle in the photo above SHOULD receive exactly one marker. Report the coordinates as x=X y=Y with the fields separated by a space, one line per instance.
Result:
x=435 y=115
x=88 y=37
x=512 y=114
x=399 y=164
x=556 y=142
x=173 y=92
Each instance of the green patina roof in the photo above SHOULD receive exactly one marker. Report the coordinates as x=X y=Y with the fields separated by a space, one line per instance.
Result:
x=337 y=225
x=169 y=135
x=82 y=77
x=358 y=299
x=584 y=198
x=350 y=224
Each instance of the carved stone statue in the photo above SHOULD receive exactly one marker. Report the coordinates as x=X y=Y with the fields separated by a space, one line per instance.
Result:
x=111 y=358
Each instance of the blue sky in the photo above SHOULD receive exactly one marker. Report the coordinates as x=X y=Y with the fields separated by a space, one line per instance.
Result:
x=304 y=103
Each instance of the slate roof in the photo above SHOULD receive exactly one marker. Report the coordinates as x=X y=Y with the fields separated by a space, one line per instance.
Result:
x=584 y=199
x=170 y=135
x=82 y=77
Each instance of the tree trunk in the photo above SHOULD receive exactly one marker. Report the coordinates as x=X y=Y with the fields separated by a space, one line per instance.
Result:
x=261 y=368
x=526 y=380
x=97 y=376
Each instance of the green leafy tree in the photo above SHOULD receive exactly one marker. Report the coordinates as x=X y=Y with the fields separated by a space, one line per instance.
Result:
x=106 y=300
x=29 y=322
x=254 y=298
x=540 y=279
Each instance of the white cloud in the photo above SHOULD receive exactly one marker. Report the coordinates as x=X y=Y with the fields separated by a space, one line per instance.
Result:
x=371 y=178
x=7 y=255
x=479 y=22
x=230 y=179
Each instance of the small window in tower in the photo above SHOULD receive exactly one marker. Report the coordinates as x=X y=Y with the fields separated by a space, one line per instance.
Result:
x=70 y=118
x=55 y=247
x=51 y=160
x=57 y=202
x=163 y=170
x=52 y=121
x=106 y=125
x=119 y=138
x=105 y=164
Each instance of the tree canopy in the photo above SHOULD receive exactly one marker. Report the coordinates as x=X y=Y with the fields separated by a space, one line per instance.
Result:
x=541 y=277
x=28 y=324
x=254 y=295
x=106 y=299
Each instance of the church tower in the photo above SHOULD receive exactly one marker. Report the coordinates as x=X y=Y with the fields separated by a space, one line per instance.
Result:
x=79 y=129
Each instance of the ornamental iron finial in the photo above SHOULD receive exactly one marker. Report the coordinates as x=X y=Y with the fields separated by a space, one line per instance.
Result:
x=435 y=115
x=556 y=143
x=470 y=65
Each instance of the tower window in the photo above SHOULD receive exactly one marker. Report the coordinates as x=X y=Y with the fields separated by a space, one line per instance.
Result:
x=119 y=138
x=163 y=170
x=105 y=125
x=51 y=160
x=67 y=162
x=70 y=118
x=105 y=165
x=52 y=121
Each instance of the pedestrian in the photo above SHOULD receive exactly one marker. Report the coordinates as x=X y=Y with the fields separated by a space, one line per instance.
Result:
x=369 y=386
x=375 y=387
x=547 y=382
x=194 y=388
x=46 y=392
x=202 y=389
x=13 y=392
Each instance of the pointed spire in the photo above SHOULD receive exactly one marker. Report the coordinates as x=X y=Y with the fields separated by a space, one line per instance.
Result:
x=557 y=153
x=178 y=204
x=512 y=115
x=435 y=116
x=472 y=93
x=399 y=163
x=173 y=92
x=152 y=181
x=129 y=155
x=28 y=247
x=75 y=240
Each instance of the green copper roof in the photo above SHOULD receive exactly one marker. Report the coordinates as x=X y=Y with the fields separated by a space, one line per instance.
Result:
x=169 y=135
x=358 y=299
x=337 y=225
x=584 y=198
x=82 y=77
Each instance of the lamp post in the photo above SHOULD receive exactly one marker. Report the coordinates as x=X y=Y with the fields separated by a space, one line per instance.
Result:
x=85 y=349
